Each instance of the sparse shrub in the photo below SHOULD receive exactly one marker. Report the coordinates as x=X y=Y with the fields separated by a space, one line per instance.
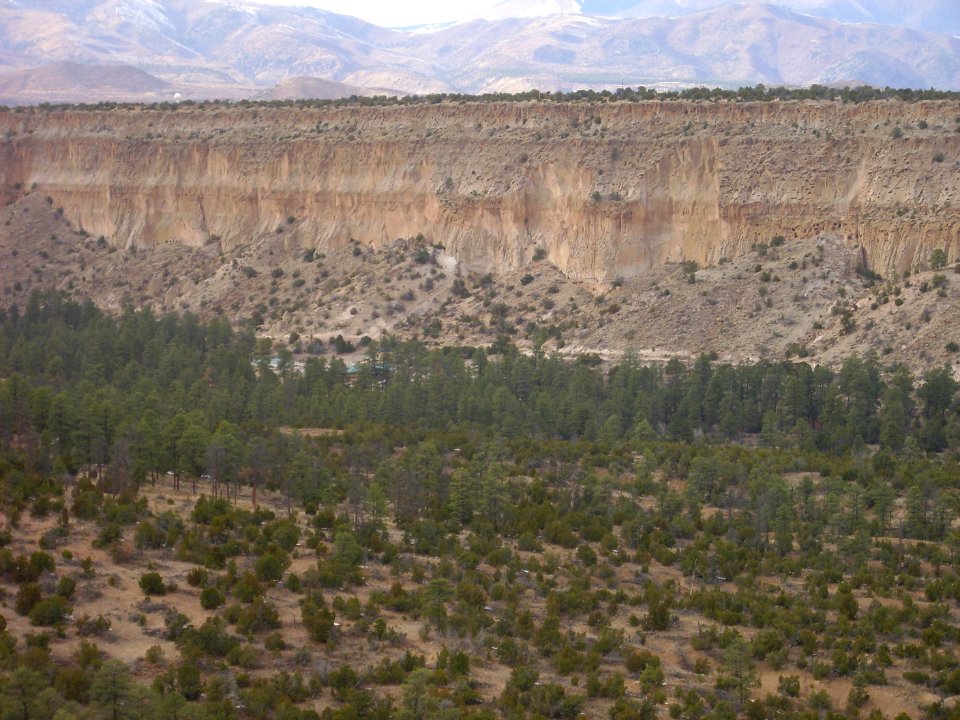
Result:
x=66 y=587
x=28 y=596
x=858 y=696
x=317 y=619
x=258 y=616
x=152 y=584
x=342 y=346
x=422 y=256
x=789 y=686
x=87 y=626
x=51 y=611
x=211 y=598
x=938 y=259
x=274 y=642
x=269 y=567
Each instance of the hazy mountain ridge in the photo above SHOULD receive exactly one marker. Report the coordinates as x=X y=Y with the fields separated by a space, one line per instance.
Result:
x=939 y=16
x=221 y=49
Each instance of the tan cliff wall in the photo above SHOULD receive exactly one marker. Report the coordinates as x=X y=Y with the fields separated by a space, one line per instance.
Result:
x=493 y=182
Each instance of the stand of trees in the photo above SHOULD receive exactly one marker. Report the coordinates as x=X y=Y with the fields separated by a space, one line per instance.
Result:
x=757 y=93
x=142 y=395
x=533 y=497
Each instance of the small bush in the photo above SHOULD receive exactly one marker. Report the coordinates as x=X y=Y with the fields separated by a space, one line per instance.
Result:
x=938 y=259
x=152 y=584
x=66 y=587
x=28 y=596
x=87 y=625
x=211 y=598
x=269 y=567
x=341 y=345
x=50 y=611
x=198 y=577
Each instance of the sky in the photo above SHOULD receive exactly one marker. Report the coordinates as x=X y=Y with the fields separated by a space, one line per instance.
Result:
x=391 y=13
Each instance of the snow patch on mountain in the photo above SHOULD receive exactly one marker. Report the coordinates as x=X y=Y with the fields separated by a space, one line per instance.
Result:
x=146 y=14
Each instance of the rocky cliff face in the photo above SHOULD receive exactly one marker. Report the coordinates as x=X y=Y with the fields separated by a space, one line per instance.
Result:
x=606 y=190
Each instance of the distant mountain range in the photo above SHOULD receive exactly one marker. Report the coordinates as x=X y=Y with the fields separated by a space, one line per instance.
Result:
x=150 y=49
x=939 y=16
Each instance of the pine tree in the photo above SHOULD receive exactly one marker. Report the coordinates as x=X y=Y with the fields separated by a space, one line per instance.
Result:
x=111 y=691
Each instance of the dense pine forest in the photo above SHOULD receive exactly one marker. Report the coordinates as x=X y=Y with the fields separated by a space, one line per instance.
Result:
x=567 y=538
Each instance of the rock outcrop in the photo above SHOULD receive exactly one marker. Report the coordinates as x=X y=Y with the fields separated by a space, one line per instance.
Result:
x=606 y=190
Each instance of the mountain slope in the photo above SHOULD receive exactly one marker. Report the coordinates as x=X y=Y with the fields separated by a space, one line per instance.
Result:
x=224 y=49
x=301 y=88
x=737 y=45
x=207 y=42
x=75 y=82
x=938 y=16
